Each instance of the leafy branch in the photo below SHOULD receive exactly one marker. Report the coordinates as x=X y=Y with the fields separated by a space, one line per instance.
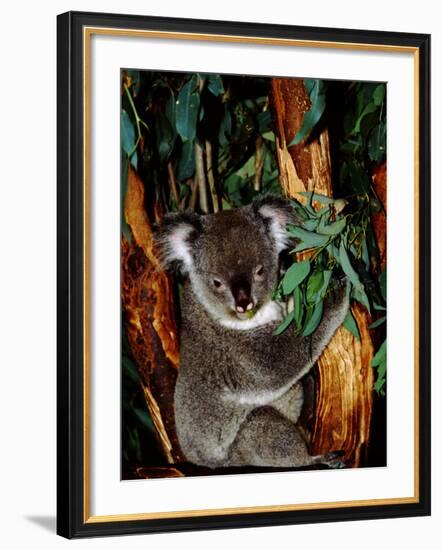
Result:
x=336 y=240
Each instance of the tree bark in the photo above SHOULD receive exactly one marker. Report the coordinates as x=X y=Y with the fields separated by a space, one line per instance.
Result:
x=150 y=319
x=344 y=377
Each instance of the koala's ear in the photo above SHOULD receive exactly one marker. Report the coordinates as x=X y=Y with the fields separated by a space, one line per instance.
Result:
x=174 y=237
x=276 y=213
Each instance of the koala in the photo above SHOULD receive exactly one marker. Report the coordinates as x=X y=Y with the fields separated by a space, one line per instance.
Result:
x=238 y=393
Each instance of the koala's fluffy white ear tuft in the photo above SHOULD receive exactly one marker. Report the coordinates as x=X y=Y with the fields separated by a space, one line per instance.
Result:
x=174 y=238
x=276 y=212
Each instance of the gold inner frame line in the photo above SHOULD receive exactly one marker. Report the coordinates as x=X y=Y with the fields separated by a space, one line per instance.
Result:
x=87 y=33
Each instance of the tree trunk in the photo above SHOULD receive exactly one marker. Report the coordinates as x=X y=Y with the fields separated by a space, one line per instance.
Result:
x=150 y=319
x=344 y=377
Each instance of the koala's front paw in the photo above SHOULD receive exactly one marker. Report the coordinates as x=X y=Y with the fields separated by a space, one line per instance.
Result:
x=338 y=299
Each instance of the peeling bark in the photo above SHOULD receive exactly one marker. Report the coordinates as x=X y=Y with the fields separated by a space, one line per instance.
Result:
x=150 y=319
x=344 y=376
x=379 y=219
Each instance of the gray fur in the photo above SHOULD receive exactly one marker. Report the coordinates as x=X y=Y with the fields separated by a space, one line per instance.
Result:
x=238 y=394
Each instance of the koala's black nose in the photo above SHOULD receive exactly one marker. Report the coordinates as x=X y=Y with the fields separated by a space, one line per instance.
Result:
x=241 y=294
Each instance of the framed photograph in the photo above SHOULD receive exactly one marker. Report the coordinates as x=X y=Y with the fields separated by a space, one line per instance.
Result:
x=239 y=205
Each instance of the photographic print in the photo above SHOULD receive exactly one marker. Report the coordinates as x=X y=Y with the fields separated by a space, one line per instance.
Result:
x=223 y=241
x=253 y=274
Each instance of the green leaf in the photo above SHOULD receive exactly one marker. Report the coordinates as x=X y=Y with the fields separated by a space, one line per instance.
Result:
x=269 y=136
x=310 y=225
x=187 y=107
x=323 y=199
x=127 y=136
x=297 y=307
x=225 y=128
x=327 y=276
x=313 y=115
x=130 y=369
x=294 y=276
x=377 y=142
x=378 y=322
x=331 y=228
x=308 y=238
x=315 y=319
x=215 y=84
x=165 y=136
x=348 y=268
x=369 y=108
x=383 y=283
x=186 y=162
x=314 y=286
x=350 y=324
x=144 y=418
x=124 y=175
x=360 y=295
x=381 y=355
x=170 y=111
x=379 y=94
x=284 y=325
x=359 y=178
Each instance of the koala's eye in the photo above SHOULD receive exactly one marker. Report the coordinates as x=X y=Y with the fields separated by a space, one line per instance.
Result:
x=217 y=283
x=259 y=271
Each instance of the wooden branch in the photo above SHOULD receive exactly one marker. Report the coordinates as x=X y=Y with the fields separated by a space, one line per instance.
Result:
x=211 y=178
x=200 y=176
x=379 y=219
x=344 y=375
x=259 y=164
x=149 y=316
x=173 y=184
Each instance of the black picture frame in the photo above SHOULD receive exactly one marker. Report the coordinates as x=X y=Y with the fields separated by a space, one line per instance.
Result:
x=71 y=519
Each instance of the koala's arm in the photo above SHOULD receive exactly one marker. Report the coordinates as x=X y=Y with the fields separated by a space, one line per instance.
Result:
x=269 y=364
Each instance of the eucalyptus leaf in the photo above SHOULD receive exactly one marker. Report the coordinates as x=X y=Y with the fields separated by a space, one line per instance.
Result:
x=378 y=322
x=186 y=162
x=360 y=295
x=313 y=115
x=297 y=307
x=294 y=276
x=165 y=136
x=383 y=283
x=379 y=94
x=215 y=84
x=377 y=143
x=144 y=418
x=350 y=324
x=314 y=286
x=264 y=121
x=127 y=136
x=187 y=107
x=269 y=136
x=284 y=325
x=315 y=319
x=225 y=128
x=308 y=239
x=380 y=355
x=310 y=225
x=348 y=268
x=124 y=176
x=170 y=111
x=333 y=228
x=359 y=178
x=130 y=369
x=317 y=197
x=327 y=273
x=369 y=108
